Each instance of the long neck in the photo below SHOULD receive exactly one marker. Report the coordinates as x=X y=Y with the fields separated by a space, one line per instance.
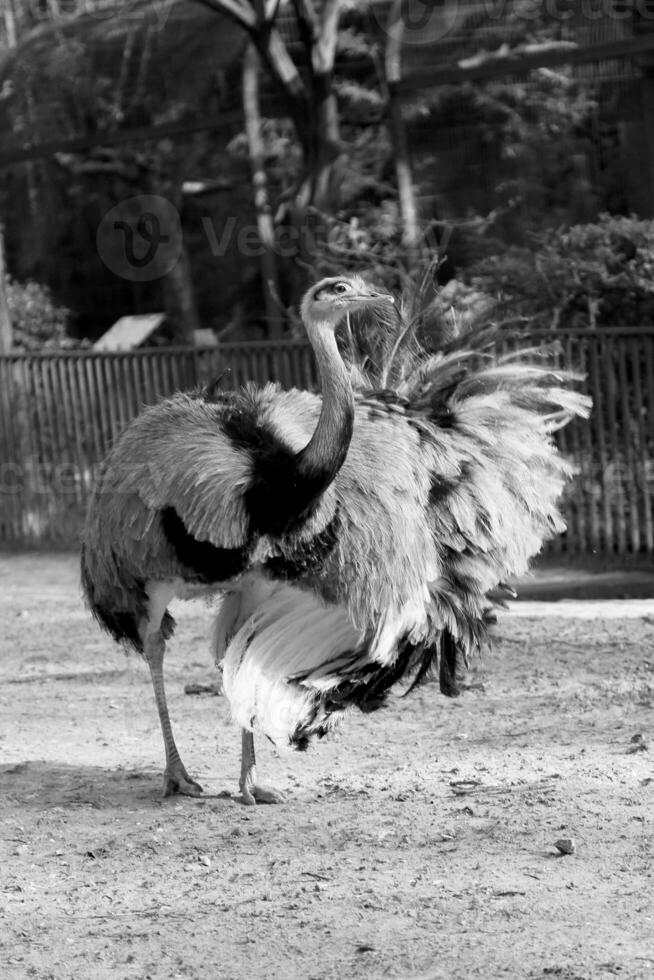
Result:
x=285 y=489
x=323 y=456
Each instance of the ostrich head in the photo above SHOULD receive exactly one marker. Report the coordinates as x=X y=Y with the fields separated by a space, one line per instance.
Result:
x=328 y=301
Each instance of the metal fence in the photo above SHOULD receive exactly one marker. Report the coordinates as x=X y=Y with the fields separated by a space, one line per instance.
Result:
x=609 y=505
x=60 y=412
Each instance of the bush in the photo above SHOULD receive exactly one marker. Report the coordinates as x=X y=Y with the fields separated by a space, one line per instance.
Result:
x=594 y=275
x=36 y=320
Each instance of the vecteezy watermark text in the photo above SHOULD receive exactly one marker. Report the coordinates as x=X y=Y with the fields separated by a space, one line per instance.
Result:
x=140 y=239
x=154 y=13
x=427 y=21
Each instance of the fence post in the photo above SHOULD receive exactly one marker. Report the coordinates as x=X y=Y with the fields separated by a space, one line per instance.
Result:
x=5 y=316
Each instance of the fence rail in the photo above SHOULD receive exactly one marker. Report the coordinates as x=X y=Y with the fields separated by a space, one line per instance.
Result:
x=61 y=411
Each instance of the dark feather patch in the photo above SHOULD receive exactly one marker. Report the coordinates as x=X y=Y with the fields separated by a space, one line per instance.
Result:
x=306 y=558
x=441 y=488
x=370 y=692
x=203 y=562
x=284 y=489
x=123 y=624
x=368 y=689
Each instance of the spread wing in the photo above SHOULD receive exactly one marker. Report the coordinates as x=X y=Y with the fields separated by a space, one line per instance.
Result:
x=177 y=454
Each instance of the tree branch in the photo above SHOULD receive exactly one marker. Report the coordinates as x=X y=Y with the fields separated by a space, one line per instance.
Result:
x=306 y=15
x=271 y=6
x=324 y=51
x=239 y=10
x=5 y=317
x=405 y=186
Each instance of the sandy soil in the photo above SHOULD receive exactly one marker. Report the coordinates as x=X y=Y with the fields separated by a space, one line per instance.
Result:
x=416 y=843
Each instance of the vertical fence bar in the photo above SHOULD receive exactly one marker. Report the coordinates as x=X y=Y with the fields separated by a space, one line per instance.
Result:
x=88 y=407
x=648 y=351
x=64 y=476
x=101 y=401
x=40 y=448
x=591 y=493
x=41 y=417
x=119 y=395
x=10 y=476
x=628 y=428
x=31 y=516
x=124 y=388
x=74 y=455
x=640 y=448
x=234 y=363
x=134 y=371
x=164 y=374
x=598 y=423
x=51 y=462
x=71 y=481
x=175 y=378
x=147 y=363
x=565 y=543
x=614 y=478
x=79 y=454
x=577 y=526
x=158 y=374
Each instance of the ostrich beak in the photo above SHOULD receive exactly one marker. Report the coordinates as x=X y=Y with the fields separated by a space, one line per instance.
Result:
x=385 y=298
x=372 y=297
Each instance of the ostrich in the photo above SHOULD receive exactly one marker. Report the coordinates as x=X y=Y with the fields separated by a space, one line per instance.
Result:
x=354 y=537
x=195 y=493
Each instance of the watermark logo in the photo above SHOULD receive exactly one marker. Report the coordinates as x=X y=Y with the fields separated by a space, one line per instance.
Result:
x=425 y=22
x=154 y=13
x=140 y=239
x=421 y=22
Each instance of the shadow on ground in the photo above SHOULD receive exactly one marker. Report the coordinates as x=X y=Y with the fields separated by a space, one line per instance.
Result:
x=45 y=784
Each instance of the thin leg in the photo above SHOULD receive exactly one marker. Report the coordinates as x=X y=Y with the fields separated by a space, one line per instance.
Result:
x=176 y=778
x=251 y=792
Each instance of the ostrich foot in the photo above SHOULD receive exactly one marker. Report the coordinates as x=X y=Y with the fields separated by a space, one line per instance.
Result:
x=253 y=794
x=177 y=780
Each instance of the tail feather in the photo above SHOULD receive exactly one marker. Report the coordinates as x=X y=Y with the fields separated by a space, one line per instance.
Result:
x=296 y=664
x=273 y=666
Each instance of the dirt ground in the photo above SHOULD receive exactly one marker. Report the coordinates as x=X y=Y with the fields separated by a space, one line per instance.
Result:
x=415 y=843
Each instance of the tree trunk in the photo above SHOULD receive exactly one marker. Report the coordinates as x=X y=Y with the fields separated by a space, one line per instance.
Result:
x=179 y=299
x=10 y=23
x=265 y=224
x=5 y=318
x=405 y=187
x=647 y=90
x=327 y=135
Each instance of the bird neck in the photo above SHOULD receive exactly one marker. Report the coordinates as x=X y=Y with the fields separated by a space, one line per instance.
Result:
x=323 y=456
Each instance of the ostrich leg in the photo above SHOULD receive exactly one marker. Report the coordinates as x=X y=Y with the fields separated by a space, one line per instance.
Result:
x=176 y=778
x=252 y=793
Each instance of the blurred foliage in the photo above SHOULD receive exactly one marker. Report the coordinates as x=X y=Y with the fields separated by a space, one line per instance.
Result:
x=37 y=321
x=591 y=275
x=528 y=143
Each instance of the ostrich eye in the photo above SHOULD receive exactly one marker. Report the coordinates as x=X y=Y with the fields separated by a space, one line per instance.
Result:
x=340 y=287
